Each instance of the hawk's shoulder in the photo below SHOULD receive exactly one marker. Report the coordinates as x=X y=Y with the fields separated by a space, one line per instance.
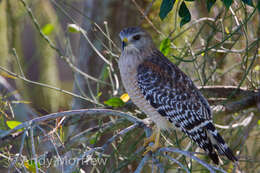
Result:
x=164 y=84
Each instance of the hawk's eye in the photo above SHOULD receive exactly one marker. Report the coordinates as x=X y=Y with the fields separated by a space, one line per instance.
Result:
x=137 y=37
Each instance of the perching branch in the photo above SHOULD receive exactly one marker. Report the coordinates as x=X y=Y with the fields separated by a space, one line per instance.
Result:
x=188 y=154
x=105 y=112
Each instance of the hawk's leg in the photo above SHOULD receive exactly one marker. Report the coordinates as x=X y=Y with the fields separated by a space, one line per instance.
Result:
x=155 y=138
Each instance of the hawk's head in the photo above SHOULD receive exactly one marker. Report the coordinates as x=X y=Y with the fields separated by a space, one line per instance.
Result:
x=135 y=38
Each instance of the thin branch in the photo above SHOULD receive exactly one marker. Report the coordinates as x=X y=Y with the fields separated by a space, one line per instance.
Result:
x=17 y=61
x=83 y=112
x=146 y=18
x=83 y=32
x=122 y=132
x=51 y=44
x=188 y=154
x=243 y=123
x=34 y=156
x=104 y=127
x=48 y=86
x=176 y=161
x=158 y=164
x=20 y=152
x=88 y=18
x=142 y=163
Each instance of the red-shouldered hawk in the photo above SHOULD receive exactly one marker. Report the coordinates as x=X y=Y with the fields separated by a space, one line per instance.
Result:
x=166 y=94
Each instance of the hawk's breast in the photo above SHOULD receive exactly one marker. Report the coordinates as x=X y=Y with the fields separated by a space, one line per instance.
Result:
x=128 y=70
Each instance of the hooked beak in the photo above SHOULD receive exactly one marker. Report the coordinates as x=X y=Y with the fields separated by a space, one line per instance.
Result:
x=124 y=43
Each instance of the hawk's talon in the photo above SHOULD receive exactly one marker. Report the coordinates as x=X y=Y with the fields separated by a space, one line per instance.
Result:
x=152 y=148
x=155 y=138
x=149 y=139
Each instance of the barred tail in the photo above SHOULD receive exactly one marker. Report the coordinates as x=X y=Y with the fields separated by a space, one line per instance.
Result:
x=214 y=157
x=219 y=143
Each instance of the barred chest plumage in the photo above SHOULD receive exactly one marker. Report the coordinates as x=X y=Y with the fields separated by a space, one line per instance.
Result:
x=128 y=70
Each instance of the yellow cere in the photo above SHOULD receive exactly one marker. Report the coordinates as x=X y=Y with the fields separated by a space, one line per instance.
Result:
x=125 y=40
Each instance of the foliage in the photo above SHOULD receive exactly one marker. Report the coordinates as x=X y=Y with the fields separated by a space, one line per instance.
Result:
x=166 y=7
x=13 y=124
x=165 y=46
x=47 y=29
x=184 y=13
x=115 y=102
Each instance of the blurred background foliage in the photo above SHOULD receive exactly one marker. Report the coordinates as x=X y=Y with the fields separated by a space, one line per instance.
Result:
x=46 y=67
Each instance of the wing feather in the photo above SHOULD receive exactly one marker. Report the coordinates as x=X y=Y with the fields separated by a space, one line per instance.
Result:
x=176 y=98
x=163 y=83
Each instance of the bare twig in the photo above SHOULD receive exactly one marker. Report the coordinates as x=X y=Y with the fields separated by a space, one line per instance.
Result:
x=176 y=161
x=47 y=86
x=10 y=95
x=158 y=164
x=20 y=152
x=18 y=62
x=33 y=149
x=52 y=45
x=85 y=112
x=146 y=18
x=110 y=140
x=142 y=163
x=104 y=127
x=188 y=154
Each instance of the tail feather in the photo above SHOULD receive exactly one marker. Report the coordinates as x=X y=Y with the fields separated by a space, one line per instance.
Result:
x=203 y=141
x=214 y=157
x=219 y=143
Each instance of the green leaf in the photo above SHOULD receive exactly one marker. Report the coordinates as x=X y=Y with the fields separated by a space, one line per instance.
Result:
x=258 y=6
x=189 y=0
x=30 y=165
x=13 y=124
x=227 y=3
x=249 y=2
x=105 y=73
x=257 y=68
x=73 y=28
x=165 y=46
x=210 y=3
x=99 y=94
x=115 y=102
x=47 y=29
x=166 y=7
x=94 y=138
x=184 y=13
x=92 y=141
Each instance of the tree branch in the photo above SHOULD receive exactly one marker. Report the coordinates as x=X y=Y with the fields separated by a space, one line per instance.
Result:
x=85 y=112
x=233 y=99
